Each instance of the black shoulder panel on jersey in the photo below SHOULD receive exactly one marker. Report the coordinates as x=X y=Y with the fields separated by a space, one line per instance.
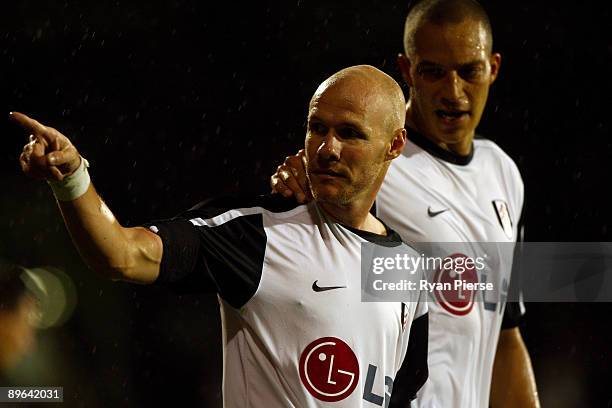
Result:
x=226 y=258
x=414 y=370
x=234 y=255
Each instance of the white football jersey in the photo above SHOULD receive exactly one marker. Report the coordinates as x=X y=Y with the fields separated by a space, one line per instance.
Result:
x=295 y=332
x=431 y=195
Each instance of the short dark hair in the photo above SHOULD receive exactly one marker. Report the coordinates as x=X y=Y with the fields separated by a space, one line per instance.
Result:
x=444 y=12
x=12 y=286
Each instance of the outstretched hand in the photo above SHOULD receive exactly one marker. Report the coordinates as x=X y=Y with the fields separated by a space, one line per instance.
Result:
x=290 y=178
x=49 y=155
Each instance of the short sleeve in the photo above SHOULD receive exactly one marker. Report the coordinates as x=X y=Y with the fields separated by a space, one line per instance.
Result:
x=218 y=246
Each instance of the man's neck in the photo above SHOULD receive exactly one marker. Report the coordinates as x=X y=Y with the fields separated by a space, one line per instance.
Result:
x=462 y=148
x=356 y=216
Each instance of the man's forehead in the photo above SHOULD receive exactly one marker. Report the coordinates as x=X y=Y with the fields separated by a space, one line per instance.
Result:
x=460 y=43
x=342 y=113
x=333 y=115
x=334 y=103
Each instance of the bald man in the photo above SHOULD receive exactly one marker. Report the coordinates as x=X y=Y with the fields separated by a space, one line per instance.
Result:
x=295 y=333
x=449 y=186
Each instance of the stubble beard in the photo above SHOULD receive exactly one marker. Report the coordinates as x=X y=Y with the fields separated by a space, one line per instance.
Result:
x=351 y=192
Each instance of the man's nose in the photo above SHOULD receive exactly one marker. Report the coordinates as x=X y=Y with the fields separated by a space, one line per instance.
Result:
x=330 y=147
x=453 y=93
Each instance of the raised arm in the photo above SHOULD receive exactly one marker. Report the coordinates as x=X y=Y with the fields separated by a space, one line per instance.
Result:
x=131 y=254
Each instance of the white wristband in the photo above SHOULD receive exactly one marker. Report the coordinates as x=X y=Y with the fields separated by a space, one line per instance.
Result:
x=73 y=186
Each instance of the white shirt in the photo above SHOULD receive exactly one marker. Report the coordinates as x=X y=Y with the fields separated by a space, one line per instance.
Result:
x=429 y=195
x=295 y=332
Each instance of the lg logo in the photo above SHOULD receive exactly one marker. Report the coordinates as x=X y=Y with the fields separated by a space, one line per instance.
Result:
x=329 y=370
x=456 y=301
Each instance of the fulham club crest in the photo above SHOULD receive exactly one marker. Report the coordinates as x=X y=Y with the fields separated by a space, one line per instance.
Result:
x=503 y=216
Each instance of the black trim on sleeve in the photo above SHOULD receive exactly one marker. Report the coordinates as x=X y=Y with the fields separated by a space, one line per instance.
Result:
x=180 y=249
x=226 y=258
x=414 y=370
x=512 y=316
x=513 y=313
x=520 y=227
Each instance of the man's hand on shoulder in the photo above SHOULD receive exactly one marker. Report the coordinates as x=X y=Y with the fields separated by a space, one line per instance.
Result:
x=290 y=178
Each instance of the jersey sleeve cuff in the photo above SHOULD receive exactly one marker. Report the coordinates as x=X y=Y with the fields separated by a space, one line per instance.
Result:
x=180 y=249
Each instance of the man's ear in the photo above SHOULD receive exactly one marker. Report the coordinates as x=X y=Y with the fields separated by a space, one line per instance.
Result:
x=397 y=144
x=404 y=65
x=495 y=62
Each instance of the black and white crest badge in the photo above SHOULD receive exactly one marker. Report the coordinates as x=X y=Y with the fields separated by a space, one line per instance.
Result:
x=503 y=216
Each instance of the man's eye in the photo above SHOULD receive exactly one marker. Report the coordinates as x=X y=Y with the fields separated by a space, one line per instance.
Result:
x=432 y=72
x=350 y=133
x=317 y=128
x=471 y=73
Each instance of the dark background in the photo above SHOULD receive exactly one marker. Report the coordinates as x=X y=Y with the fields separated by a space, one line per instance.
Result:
x=176 y=101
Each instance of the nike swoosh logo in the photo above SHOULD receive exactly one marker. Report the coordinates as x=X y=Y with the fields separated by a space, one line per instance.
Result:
x=318 y=288
x=434 y=213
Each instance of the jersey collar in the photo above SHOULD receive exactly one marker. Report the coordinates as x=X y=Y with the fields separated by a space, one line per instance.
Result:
x=392 y=239
x=435 y=150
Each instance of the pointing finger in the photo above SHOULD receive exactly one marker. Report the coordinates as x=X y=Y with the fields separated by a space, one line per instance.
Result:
x=29 y=124
x=47 y=135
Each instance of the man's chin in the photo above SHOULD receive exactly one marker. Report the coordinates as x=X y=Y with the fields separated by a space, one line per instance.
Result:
x=452 y=134
x=330 y=195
